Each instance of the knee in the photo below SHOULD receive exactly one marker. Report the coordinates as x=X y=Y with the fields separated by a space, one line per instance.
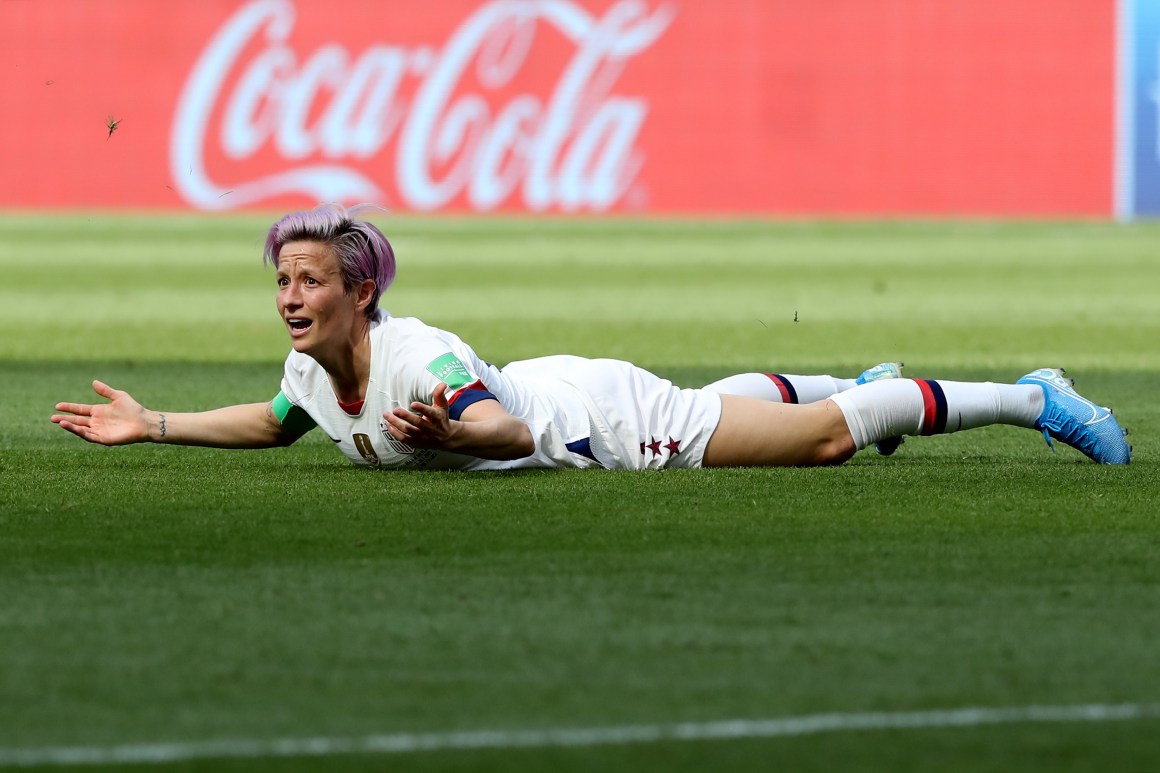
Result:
x=832 y=441
x=833 y=450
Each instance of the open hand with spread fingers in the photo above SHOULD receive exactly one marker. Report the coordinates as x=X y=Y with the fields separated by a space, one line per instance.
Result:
x=120 y=421
x=423 y=426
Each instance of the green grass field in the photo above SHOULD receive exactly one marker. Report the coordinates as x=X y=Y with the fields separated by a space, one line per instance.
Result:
x=158 y=595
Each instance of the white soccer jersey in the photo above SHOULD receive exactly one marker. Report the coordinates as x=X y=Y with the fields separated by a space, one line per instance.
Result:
x=581 y=412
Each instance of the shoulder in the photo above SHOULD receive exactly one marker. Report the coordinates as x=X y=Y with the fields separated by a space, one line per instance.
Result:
x=410 y=337
x=403 y=327
x=300 y=364
x=412 y=353
x=301 y=375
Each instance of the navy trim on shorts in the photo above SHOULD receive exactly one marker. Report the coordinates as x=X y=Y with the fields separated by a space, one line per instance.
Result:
x=583 y=447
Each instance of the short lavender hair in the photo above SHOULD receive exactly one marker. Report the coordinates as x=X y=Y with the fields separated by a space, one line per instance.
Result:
x=363 y=251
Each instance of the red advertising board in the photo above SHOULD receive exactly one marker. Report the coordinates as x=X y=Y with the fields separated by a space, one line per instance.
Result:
x=834 y=107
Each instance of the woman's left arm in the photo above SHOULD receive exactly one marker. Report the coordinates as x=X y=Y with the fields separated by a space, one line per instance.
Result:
x=484 y=430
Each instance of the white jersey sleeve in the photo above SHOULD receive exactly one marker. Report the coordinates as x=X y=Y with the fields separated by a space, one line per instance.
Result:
x=420 y=357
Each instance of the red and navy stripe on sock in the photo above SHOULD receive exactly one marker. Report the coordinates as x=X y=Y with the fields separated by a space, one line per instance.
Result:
x=934 y=404
x=788 y=393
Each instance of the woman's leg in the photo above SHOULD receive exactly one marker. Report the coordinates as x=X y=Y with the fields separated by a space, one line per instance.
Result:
x=786 y=388
x=753 y=432
x=756 y=433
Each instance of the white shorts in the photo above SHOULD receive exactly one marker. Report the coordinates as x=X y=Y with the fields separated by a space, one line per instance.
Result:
x=638 y=419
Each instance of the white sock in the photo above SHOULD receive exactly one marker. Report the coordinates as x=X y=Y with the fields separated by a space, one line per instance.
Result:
x=776 y=388
x=893 y=407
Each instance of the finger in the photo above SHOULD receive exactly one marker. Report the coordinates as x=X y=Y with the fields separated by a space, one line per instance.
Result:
x=79 y=409
x=425 y=412
x=82 y=432
x=440 y=396
x=394 y=419
x=394 y=430
x=75 y=421
x=103 y=389
x=404 y=415
x=403 y=419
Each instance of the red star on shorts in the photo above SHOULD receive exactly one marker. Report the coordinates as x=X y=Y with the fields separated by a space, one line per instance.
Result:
x=674 y=446
x=654 y=446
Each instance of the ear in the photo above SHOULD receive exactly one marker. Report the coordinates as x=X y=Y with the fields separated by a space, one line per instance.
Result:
x=363 y=294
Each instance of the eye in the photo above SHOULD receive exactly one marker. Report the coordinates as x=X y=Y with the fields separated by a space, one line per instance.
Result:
x=283 y=281
x=310 y=281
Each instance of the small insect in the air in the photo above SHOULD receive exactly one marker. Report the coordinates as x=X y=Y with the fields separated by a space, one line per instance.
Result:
x=111 y=124
x=795 y=317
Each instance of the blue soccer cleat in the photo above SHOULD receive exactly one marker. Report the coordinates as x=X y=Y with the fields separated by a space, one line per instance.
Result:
x=889 y=445
x=1076 y=421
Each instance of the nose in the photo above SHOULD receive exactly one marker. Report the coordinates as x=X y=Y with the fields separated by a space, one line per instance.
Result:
x=289 y=296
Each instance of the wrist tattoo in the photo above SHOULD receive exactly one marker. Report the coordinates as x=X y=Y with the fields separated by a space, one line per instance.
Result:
x=162 y=415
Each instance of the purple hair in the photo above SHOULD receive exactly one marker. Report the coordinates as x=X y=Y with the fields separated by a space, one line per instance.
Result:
x=362 y=249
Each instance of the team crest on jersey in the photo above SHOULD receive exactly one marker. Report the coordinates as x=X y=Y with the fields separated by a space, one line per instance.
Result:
x=366 y=449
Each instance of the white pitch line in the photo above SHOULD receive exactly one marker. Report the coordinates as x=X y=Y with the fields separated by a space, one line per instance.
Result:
x=401 y=743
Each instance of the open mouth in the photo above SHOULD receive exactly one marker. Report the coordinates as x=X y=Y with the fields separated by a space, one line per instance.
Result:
x=298 y=326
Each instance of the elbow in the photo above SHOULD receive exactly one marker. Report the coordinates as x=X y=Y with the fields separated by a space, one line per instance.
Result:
x=525 y=444
x=519 y=442
x=283 y=439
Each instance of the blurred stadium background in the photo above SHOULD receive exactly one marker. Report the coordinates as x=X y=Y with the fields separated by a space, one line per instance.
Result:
x=760 y=107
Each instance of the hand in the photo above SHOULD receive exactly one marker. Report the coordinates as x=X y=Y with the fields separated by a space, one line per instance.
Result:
x=424 y=426
x=118 y=422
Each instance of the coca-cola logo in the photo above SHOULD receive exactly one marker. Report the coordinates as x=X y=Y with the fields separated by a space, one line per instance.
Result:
x=333 y=117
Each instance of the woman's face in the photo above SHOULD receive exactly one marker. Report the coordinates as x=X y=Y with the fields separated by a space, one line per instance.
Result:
x=318 y=313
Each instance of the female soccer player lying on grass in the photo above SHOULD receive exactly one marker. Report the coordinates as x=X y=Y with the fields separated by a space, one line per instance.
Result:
x=394 y=392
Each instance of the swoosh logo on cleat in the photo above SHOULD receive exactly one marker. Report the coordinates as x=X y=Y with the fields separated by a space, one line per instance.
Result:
x=1096 y=417
x=1095 y=409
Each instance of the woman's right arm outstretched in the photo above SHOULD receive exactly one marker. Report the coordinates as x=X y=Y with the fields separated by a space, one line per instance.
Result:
x=123 y=420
